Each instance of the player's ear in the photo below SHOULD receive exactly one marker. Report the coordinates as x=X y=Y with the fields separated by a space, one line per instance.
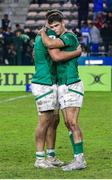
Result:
x=47 y=25
x=63 y=23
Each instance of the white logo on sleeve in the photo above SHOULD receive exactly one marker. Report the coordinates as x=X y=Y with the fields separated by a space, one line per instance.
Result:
x=52 y=36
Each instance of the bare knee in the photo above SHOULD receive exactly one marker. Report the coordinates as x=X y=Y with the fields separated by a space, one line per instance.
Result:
x=42 y=126
x=54 y=121
x=73 y=124
x=67 y=125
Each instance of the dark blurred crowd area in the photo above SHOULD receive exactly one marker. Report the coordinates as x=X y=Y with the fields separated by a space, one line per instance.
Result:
x=16 y=47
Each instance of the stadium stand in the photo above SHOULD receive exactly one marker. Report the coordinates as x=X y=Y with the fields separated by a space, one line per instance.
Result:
x=30 y=15
x=17 y=11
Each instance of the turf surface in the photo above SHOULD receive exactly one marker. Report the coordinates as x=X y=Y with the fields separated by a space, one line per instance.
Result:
x=17 y=146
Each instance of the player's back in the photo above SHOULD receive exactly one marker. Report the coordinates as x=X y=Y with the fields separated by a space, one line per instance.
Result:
x=43 y=63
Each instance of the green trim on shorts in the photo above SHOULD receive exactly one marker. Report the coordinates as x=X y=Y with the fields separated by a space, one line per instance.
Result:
x=43 y=95
x=76 y=91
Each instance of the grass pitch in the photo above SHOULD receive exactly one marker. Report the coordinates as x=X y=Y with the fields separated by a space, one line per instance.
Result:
x=17 y=146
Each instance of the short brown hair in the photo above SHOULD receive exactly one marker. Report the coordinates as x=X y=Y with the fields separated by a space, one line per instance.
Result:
x=55 y=17
x=53 y=11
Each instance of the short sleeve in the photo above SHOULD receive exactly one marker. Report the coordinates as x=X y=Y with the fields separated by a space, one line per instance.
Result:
x=69 y=39
x=51 y=33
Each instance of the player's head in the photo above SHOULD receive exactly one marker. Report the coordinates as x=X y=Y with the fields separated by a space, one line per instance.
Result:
x=50 y=12
x=55 y=21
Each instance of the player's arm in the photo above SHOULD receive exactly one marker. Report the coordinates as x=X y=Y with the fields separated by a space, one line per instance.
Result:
x=49 y=42
x=58 y=55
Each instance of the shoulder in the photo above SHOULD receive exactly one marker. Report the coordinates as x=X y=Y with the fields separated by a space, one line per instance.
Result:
x=69 y=38
x=50 y=32
x=38 y=38
x=69 y=35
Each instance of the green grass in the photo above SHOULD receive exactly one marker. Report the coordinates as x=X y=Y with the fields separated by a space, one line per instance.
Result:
x=17 y=145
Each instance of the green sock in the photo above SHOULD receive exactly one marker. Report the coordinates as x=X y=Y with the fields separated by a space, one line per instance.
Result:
x=72 y=141
x=51 y=153
x=78 y=148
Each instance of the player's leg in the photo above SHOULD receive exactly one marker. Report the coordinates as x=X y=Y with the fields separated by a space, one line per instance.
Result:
x=41 y=133
x=41 y=130
x=77 y=143
x=52 y=130
x=63 y=98
x=51 y=133
x=68 y=127
x=72 y=118
x=75 y=136
x=43 y=96
x=51 y=139
x=71 y=98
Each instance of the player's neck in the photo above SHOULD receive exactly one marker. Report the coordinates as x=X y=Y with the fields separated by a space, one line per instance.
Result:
x=64 y=31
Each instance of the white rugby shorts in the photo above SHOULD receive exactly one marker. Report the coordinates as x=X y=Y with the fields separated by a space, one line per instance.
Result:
x=71 y=95
x=45 y=96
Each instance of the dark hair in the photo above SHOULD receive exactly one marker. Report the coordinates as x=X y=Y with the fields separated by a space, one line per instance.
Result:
x=55 y=17
x=50 y=12
x=5 y=15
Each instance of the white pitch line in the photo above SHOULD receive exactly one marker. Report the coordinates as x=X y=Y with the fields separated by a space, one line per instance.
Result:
x=13 y=99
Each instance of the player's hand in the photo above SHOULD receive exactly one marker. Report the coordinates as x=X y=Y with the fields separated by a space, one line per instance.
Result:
x=79 y=47
x=43 y=29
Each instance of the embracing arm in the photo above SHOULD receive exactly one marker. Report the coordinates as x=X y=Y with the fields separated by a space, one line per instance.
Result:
x=49 y=42
x=58 y=55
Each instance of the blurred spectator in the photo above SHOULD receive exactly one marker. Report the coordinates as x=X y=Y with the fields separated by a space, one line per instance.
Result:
x=98 y=7
x=109 y=5
x=95 y=38
x=27 y=58
x=106 y=34
x=27 y=50
x=8 y=36
x=11 y=56
x=30 y=33
x=84 y=51
x=1 y=47
x=8 y=39
x=83 y=8
x=78 y=33
x=85 y=31
x=100 y=19
x=18 y=44
x=18 y=28
x=109 y=19
x=110 y=51
x=5 y=22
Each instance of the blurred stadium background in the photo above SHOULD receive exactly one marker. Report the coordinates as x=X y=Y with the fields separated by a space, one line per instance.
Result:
x=20 y=21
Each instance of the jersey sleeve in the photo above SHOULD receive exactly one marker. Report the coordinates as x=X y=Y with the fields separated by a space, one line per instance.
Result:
x=69 y=39
x=51 y=33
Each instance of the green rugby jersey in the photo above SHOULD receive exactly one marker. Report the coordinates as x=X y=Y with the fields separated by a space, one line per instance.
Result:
x=45 y=70
x=67 y=71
